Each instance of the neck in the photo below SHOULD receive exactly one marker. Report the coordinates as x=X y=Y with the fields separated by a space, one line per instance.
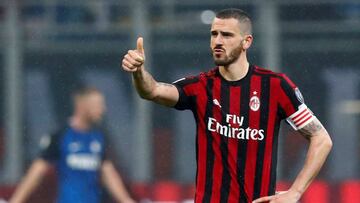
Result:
x=79 y=123
x=237 y=70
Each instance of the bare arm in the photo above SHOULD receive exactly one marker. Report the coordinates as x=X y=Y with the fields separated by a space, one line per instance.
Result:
x=319 y=148
x=146 y=86
x=113 y=182
x=31 y=181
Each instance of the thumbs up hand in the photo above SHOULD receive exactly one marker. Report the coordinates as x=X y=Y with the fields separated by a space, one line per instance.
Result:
x=134 y=59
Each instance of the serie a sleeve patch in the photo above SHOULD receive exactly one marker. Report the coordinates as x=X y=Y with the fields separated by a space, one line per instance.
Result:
x=301 y=117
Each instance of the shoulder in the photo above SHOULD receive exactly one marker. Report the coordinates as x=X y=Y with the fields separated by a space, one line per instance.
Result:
x=266 y=72
x=50 y=145
x=211 y=74
x=193 y=79
x=58 y=135
x=103 y=132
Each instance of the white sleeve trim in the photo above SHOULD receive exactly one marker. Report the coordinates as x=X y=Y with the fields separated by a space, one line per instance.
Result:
x=301 y=117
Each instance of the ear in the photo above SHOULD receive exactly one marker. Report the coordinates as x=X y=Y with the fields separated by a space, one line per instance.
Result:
x=247 y=41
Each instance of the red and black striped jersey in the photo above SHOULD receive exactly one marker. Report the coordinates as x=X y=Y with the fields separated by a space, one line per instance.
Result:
x=237 y=131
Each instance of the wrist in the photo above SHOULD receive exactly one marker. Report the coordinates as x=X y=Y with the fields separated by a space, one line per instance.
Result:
x=138 y=73
x=296 y=192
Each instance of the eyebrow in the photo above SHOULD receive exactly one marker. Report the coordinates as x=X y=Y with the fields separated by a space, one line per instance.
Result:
x=222 y=32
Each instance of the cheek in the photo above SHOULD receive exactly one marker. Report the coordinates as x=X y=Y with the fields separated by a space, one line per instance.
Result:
x=95 y=111
x=212 y=43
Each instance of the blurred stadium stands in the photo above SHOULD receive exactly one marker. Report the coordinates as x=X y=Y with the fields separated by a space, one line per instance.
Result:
x=64 y=44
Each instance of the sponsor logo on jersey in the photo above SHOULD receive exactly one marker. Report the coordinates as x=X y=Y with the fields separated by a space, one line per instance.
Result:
x=83 y=161
x=240 y=132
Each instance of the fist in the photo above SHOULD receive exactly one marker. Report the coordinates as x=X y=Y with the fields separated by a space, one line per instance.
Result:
x=134 y=59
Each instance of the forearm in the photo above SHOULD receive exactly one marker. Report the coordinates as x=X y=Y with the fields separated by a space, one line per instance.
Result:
x=30 y=182
x=114 y=183
x=144 y=83
x=319 y=148
x=146 y=86
x=117 y=189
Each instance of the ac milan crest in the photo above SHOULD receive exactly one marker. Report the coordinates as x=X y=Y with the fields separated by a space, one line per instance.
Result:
x=254 y=103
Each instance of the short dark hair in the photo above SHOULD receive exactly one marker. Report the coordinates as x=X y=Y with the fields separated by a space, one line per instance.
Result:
x=239 y=15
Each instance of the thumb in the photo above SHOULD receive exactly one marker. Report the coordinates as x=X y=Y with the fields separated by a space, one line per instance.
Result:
x=140 y=45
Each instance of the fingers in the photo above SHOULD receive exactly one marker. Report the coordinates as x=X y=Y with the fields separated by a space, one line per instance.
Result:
x=264 y=199
x=134 y=59
x=136 y=56
x=140 y=45
x=127 y=66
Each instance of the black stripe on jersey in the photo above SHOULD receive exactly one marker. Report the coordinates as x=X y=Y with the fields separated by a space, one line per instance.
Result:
x=226 y=179
x=264 y=116
x=242 y=146
x=290 y=93
x=281 y=112
x=272 y=185
x=184 y=102
x=209 y=149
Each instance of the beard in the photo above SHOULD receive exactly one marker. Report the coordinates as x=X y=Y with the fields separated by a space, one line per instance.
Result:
x=229 y=59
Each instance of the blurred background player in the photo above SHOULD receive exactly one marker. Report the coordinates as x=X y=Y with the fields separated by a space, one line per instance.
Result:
x=79 y=152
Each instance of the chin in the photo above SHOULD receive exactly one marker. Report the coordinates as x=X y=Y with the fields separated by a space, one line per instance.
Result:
x=221 y=63
x=96 y=121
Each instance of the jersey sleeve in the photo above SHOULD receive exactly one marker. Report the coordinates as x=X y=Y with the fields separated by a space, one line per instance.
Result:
x=50 y=147
x=108 y=150
x=296 y=113
x=187 y=91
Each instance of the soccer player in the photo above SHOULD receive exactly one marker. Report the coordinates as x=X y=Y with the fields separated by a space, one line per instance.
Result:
x=238 y=108
x=79 y=152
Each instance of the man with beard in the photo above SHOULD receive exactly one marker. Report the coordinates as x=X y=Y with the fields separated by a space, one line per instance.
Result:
x=79 y=153
x=238 y=108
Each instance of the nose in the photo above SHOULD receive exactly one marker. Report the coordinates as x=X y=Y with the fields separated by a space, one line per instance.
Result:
x=218 y=40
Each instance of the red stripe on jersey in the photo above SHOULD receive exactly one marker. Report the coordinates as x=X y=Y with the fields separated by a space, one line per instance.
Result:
x=218 y=166
x=201 y=147
x=252 y=146
x=274 y=86
x=234 y=109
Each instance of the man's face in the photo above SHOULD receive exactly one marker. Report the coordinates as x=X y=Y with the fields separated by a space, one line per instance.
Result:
x=93 y=107
x=226 y=41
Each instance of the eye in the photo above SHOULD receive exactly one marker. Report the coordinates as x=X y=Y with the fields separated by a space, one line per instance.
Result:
x=214 y=33
x=227 y=34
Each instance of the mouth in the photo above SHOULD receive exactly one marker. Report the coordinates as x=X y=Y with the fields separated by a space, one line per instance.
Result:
x=218 y=51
